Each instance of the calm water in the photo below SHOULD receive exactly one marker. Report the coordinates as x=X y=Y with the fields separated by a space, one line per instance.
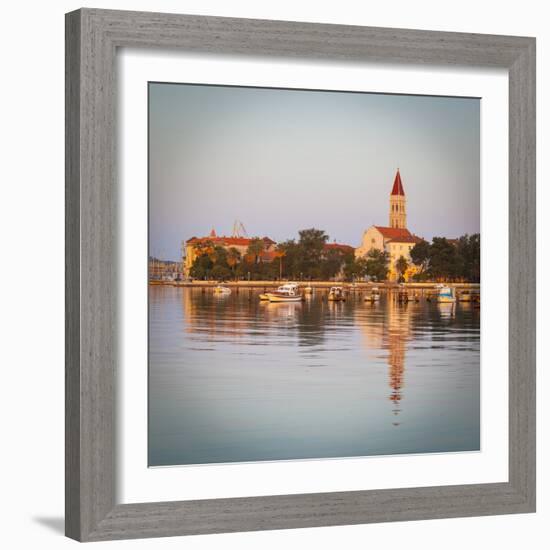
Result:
x=235 y=379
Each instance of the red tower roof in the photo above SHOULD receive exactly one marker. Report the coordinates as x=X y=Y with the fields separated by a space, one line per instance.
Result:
x=397 y=185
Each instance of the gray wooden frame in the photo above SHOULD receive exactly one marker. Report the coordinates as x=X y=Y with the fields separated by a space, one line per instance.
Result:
x=92 y=38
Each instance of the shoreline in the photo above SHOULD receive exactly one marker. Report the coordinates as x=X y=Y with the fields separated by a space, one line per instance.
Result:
x=313 y=284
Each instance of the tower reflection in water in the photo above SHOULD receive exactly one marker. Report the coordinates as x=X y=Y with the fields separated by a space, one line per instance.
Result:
x=234 y=379
x=387 y=328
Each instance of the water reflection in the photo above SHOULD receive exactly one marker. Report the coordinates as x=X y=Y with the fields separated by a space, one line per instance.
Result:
x=233 y=378
x=389 y=329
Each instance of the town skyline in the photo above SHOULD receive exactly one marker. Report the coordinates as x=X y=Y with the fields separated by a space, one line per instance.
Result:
x=220 y=154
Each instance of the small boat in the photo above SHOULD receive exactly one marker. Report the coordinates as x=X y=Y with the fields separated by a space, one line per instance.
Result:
x=264 y=297
x=285 y=293
x=373 y=296
x=336 y=294
x=431 y=295
x=446 y=295
x=219 y=289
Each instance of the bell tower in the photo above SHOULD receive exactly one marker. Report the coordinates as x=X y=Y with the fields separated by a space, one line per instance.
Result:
x=398 y=204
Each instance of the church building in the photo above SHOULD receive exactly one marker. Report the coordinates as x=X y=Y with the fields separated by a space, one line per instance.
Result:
x=395 y=239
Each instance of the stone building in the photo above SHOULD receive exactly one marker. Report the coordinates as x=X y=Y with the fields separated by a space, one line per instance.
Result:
x=395 y=239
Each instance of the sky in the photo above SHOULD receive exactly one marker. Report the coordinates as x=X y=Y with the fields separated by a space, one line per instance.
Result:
x=283 y=160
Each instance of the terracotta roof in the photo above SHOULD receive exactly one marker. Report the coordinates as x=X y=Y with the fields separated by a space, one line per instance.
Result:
x=411 y=239
x=227 y=241
x=393 y=232
x=338 y=246
x=397 y=185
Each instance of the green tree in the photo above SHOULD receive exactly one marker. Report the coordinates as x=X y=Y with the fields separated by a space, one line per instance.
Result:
x=290 y=257
x=219 y=256
x=401 y=265
x=468 y=250
x=202 y=266
x=420 y=255
x=233 y=258
x=255 y=248
x=220 y=272
x=377 y=264
x=354 y=268
x=444 y=259
x=311 y=249
x=332 y=262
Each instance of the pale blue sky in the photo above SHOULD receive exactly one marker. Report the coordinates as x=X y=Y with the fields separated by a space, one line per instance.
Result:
x=284 y=160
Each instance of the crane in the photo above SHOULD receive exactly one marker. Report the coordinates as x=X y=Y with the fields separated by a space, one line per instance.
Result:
x=239 y=230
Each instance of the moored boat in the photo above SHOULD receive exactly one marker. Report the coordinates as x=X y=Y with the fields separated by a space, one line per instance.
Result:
x=286 y=293
x=219 y=289
x=446 y=295
x=373 y=296
x=336 y=294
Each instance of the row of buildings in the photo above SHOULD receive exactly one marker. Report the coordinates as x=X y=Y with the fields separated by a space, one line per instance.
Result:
x=395 y=238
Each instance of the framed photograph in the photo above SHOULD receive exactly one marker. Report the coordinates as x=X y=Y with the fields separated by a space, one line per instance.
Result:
x=300 y=275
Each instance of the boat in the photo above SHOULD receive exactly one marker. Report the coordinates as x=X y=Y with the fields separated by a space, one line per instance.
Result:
x=285 y=293
x=219 y=289
x=264 y=297
x=431 y=295
x=336 y=294
x=373 y=296
x=446 y=295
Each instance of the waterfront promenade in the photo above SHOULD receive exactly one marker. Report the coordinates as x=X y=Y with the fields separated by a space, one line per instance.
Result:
x=316 y=284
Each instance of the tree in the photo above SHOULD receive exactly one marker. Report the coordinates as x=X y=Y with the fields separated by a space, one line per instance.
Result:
x=354 y=268
x=332 y=262
x=220 y=272
x=233 y=258
x=444 y=259
x=401 y=265
x=311 y=248
x=420 y=255
x=218 y=255
x=202 y=266
x=468 y=250
x=255 y=248
x=290 y=257
x=377 y=264
x=280 y=253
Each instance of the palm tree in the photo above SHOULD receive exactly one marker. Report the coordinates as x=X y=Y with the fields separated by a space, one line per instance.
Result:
x=280 y=252
x=233 y=258
x=255 y=248
x=401 y=265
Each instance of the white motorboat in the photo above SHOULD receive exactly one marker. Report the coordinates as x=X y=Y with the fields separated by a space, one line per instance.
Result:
x=336 y=294
x=286 y=293
x=219 y=289
x=373 y=296
x=446 y=295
